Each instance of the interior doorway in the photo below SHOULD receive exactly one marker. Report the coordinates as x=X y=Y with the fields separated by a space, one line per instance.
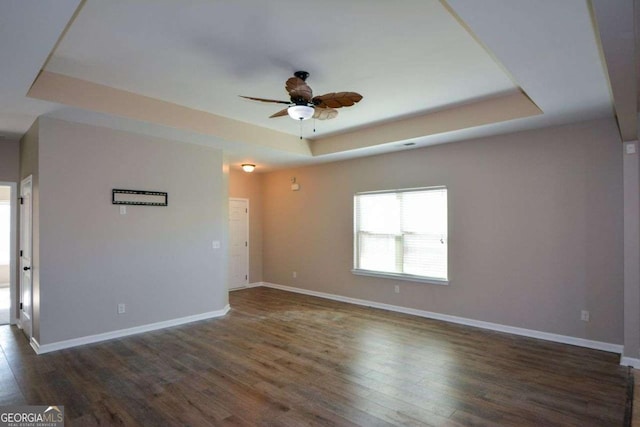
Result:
x=7 y=276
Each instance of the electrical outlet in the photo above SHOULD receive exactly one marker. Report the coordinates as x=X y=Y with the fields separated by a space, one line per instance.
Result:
x=396 y=289
x=122 y=308
x=584 y=315
x=295 y=274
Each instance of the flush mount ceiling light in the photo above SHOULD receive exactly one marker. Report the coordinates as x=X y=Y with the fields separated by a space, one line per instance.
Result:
x=301 y=112
x=248 y=167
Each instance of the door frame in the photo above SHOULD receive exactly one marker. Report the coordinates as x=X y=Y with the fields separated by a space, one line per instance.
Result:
x=242 y=199
x=13 y=277
x=21 y=324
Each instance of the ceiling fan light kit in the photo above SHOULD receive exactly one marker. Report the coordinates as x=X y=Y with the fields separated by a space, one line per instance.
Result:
x=301 y=112
x=302 y=105
x=248 y=167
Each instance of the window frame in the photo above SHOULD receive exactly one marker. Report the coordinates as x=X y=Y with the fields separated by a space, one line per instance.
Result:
x=399 y=254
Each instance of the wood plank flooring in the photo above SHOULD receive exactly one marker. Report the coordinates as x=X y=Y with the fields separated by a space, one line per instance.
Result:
x=286 y=359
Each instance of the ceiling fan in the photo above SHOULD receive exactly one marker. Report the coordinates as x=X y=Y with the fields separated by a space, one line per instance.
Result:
x=303 y=105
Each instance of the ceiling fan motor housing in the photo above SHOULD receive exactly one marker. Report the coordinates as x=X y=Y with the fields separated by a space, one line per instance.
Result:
x=299 y=101
x=302 y=75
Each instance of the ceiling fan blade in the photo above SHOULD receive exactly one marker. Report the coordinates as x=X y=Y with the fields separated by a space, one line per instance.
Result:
x=297 y=88
x=279 y=113
x=336 y=99
x=325 y=113
x=275 y=101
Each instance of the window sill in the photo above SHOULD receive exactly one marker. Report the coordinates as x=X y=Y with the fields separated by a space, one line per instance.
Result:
x=397 y=276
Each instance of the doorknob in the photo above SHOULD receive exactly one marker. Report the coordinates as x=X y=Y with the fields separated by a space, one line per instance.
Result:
x=26 y=268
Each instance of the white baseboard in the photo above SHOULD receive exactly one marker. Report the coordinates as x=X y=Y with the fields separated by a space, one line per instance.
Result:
x=46 y=348
x=630 y=361
x=247 y=286
x=254 y=285
x=35 y=345
x=564 y=339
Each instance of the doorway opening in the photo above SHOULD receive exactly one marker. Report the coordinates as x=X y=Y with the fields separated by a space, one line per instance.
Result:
x=5 y=254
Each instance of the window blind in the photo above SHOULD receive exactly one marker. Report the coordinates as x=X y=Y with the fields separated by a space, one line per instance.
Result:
x=402 y=232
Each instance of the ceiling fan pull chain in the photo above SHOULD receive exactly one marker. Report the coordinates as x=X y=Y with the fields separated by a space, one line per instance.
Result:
x=300 y=128
x=314 y=125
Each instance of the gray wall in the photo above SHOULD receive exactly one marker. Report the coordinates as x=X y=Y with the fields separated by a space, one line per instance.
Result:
x=159 y=261
x=249 y=186
x=9 y=161
x=535 y=224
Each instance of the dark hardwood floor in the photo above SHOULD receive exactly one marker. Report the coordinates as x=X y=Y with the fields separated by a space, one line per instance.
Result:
x=285 y=359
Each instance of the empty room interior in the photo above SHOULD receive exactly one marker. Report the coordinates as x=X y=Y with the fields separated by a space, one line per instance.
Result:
x=219 y=212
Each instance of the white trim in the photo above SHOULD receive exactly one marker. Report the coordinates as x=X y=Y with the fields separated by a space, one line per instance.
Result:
x=250 y=285
x=35 y=345
x=28 y=180
x=630 y=361
x=564 y=339
x=46 y=348
x=400 y=276
x=255 y=285
x=403 y=190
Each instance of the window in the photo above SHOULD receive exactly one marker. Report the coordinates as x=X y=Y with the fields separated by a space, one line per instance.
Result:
x=402 y=234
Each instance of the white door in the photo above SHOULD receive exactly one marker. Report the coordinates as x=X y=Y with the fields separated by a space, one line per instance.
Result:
x=26 y=214
x=239 y=243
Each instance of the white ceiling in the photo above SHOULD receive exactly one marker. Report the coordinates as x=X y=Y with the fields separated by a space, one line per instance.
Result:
x=406 y=58
x=28 y=32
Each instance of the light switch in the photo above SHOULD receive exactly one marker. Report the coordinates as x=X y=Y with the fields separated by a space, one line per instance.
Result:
x=216 y=244
x=630 y=148
x=123 y=210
